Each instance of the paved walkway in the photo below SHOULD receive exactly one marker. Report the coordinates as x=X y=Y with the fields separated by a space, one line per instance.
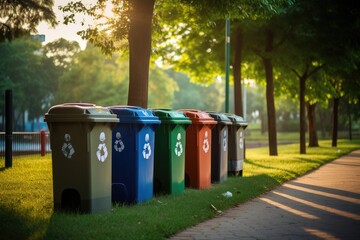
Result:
x=324 y=204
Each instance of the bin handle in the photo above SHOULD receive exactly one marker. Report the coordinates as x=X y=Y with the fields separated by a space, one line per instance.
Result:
x=80 y=104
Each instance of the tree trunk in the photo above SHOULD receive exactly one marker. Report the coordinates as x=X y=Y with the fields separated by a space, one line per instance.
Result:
x=237 y=74
x=313 y=139
x=350 y=122
x=270 y=95
x=335 y=121
x=140 y=49
x=302 y=116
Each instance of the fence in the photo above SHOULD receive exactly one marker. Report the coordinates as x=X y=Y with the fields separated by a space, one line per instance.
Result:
x=25 y=143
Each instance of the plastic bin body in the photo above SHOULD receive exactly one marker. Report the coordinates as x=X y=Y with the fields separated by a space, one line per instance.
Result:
x=236 y=155
x=219 y=147
x=133 y=154
x=198 y=149
x=80 y=138
x=169 y=165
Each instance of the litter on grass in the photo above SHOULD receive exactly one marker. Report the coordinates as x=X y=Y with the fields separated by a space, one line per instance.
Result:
x=227 y=194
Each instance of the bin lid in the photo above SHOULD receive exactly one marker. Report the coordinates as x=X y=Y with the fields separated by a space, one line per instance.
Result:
x=237 y=120
x=171 y=116
x=220 y=118
x=198 y=117
x=79 y=112
x=134 y=114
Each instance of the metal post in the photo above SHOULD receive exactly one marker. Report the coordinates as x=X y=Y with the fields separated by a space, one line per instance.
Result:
x=227 y=63
x=43 y=142
x=8 y=128
x=244 y=101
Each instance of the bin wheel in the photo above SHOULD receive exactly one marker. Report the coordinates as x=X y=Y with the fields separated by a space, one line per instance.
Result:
x=70 y=200
x=157 y=185
x=187 y=180
x=234 y=173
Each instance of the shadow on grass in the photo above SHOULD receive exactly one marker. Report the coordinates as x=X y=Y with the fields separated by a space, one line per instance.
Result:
x=16 y=226
x=270 y=167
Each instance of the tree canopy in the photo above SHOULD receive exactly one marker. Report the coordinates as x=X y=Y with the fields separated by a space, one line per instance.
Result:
x=21 y=17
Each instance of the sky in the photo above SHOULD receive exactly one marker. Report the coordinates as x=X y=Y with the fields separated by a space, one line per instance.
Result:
x=62 y=31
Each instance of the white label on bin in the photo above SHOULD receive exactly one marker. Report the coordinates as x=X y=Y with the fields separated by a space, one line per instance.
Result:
x=67 y=148
x=145 y=113
x=241 y=141
x=224 y=140
x=147 y=148
x=206 y=146
x=119 y=145
x=102 y=152
x=178 y=146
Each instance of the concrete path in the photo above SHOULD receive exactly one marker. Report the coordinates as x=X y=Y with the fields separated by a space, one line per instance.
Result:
x=324 y=204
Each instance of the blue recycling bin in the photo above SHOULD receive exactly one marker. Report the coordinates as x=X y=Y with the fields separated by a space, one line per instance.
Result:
x=133 y=140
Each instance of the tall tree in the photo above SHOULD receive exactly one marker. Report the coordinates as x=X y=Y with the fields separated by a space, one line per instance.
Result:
x=141 y=14
x=331 y=28
x=131 y=22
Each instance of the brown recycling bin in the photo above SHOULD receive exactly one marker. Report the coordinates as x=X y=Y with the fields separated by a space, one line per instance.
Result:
x=80 y=137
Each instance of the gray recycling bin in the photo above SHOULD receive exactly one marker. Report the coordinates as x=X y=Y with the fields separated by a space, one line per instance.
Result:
x=80 y=138
x=219 y=147
x=236 y=153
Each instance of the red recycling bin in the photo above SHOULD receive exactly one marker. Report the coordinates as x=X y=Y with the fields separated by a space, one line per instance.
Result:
x=198 y=149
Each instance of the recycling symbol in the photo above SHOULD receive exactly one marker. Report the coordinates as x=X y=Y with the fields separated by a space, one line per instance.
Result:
x=67 y=149
x=147 y=148
x=241 y=141
x=102 y=152
x=224 y=140
x=206 y=143
x=178 y=146
x=119 y=145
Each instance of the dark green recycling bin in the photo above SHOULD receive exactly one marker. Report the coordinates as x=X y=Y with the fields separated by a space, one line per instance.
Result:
x=219 y=147
x=80 y=138
x=169 y=162
x=236 y=155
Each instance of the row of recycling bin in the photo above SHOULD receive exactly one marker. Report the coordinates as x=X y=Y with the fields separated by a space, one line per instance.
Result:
x=113 y=154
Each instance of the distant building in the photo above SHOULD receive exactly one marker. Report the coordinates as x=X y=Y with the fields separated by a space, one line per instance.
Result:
x=39 y=37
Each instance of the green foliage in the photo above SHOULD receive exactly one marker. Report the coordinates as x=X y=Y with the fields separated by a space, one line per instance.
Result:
x=26 y=198
x=195 y=96
x=25 y=70
x=62 y=51
x=20 y=17
x=98 y=79
x=109 y=31
x=162 y=89
x=92 y=78
x=190 y=34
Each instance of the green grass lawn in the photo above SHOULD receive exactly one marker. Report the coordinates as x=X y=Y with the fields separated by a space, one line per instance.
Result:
x=26 y=198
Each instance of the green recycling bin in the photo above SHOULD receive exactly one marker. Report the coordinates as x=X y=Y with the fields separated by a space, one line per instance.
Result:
x=169 y=162
x=236 y=155
x=80 y=138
